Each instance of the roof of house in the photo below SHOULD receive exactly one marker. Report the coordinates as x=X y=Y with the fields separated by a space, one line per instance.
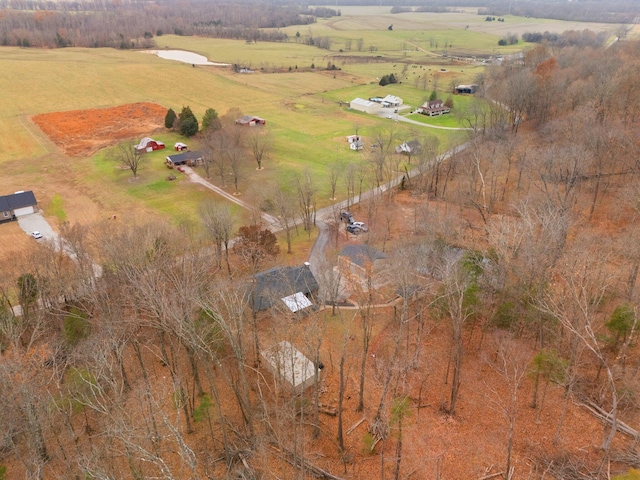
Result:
x=291 y=365
x=249 y=119
x=362 y=102
x=434 y=104
x=184 y=156
x=276 y=283
x=361 y=254
x=297 y=302
x=392 y=99
x=17 y=200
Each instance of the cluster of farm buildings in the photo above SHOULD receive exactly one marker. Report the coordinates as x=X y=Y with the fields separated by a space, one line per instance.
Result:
x=392 y=103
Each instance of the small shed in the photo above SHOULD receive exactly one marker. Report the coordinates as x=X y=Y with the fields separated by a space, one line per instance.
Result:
x=148 y=144
x=365 y=106
x=190 y=159
x=180 y=147
x=17 y=204
x=355 y=142
x=291 y=366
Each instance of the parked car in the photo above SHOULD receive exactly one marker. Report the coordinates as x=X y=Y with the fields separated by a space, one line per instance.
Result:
x=181 y=169
x=346 y=217
x=354 y=229
x=360 y=225
x=37 y=235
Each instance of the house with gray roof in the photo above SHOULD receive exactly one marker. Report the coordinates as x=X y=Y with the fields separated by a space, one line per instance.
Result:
x=17 y=204
x=293 y=287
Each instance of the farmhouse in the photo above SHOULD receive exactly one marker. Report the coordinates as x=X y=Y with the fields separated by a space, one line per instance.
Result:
x=366 y=106
x=148 y=144
x=466 y=89
x=288 y=364
x=292 y=287
x=433 y=108
x=16 y=205
x=190 y=159
x=250 y=121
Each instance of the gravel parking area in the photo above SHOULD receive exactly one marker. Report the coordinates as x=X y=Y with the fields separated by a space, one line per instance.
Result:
x=36 y=222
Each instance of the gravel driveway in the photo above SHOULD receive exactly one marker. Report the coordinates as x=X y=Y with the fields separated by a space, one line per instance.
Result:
x=35 y=221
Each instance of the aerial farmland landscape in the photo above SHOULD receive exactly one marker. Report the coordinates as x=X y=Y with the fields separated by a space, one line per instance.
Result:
x=267 y=240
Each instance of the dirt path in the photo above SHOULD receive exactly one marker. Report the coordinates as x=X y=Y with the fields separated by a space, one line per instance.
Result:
x=271 y=221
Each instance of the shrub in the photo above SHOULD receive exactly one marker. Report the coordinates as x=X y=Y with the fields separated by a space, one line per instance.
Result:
x=75 y=326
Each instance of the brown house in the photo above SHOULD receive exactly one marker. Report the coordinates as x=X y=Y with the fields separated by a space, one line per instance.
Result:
x=433 y=108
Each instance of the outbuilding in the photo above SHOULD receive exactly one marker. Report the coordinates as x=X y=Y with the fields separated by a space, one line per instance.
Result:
x=365 y=106
x=466 y=89
x=250 y=121
x=148 y=144
x=17 y=204
x=291 y=366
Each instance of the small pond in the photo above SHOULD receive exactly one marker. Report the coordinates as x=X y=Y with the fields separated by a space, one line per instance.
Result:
x=184 y=56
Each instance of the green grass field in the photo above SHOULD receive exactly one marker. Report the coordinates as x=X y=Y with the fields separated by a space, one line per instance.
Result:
x=302 y=105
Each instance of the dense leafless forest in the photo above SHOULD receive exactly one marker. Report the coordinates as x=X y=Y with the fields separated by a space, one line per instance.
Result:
x=152 y=368
x=37 y=23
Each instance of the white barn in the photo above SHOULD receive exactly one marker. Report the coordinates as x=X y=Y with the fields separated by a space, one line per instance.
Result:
x=365 y=106
x=288 y=364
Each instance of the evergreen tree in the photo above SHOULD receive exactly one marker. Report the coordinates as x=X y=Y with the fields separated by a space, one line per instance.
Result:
x=188 y=122
x=211 y=120
x=169 y=118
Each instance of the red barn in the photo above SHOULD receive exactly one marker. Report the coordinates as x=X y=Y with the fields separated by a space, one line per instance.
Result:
x=148 y=145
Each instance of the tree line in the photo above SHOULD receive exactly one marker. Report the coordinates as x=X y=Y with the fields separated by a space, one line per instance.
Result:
x=134 y=25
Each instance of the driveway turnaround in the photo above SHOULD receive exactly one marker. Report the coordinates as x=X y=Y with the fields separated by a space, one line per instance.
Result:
x=36 y=222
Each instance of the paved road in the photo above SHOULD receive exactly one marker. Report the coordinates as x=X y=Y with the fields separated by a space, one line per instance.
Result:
x=324 y=215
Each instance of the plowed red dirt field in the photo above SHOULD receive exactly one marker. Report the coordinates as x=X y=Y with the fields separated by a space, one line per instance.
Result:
x=80 y=133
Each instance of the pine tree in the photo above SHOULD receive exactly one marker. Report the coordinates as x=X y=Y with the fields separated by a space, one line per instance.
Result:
x=169 y=118
x=188 y=122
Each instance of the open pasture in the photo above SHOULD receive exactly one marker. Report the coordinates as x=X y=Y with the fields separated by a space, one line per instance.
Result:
x=301 y=105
